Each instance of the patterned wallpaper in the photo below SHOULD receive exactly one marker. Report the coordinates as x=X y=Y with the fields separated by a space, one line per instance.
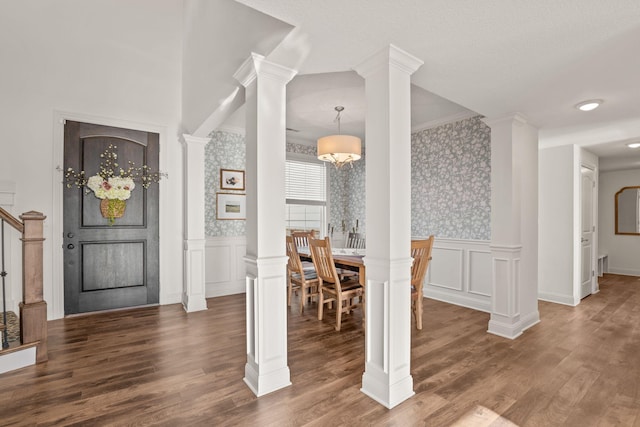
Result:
x=347 y=196
x=225 y=151
x=450 y=191
x=451 y=181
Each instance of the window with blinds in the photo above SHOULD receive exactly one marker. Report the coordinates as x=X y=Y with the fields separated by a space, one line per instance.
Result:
x=306 y=193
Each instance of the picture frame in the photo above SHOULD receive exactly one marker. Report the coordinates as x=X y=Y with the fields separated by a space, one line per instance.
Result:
x=231 y=206
x=231 y=179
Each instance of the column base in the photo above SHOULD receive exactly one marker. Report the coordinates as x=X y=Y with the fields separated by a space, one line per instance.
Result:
x=512 y=328
x=266 y=369
x=194 y=303
x=388 y=395
x=193 y=297
x=266 y=383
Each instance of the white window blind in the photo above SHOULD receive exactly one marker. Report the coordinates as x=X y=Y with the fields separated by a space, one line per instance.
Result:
x=306 y=181
x=306 y=195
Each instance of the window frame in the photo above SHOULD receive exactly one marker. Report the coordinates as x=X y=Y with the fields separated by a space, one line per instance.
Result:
x=297 y=157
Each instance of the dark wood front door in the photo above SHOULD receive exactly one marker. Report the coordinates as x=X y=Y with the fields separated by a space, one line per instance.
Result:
x=109 y=266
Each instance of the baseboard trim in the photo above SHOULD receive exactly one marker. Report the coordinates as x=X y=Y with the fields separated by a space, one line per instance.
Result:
x=558 y=298
x=461 y=300
x=623 y=271
x=222 y=289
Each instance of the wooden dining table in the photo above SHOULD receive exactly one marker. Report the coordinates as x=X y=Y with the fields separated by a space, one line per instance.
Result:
x=347 y=262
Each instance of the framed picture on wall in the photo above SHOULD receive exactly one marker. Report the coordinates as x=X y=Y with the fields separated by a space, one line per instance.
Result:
x=231 y=206
x=231 y=179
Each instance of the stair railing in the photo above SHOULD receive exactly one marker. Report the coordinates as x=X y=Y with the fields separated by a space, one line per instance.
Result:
x=33 y=309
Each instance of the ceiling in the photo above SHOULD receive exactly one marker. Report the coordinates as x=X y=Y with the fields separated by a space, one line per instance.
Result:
x=494 y=58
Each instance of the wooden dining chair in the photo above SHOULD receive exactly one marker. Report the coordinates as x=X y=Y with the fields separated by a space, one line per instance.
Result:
x=299 y=279
x=355 y=241
x=301 y=238
x=421 y=254
x=331 y=290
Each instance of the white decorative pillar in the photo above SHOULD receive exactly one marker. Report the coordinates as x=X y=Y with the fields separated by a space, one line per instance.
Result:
x=514 y=225
x=193 y=295
x=265 y=82
x=388 y=262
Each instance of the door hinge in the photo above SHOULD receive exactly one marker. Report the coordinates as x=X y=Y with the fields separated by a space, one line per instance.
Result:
x=593 y=273
x=594 y=228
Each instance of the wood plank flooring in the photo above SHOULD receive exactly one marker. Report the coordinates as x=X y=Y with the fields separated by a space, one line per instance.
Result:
x=160 y=366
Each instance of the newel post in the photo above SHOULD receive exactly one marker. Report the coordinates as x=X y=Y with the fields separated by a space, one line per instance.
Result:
x=33 y=309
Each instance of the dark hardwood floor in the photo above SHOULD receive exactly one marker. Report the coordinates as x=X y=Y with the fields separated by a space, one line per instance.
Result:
x=160 y=366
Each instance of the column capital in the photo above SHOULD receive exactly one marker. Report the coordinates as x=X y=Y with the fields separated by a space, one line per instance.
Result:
x=517 y=119
x=256 y=65
x=188 y=139
x=389 y=56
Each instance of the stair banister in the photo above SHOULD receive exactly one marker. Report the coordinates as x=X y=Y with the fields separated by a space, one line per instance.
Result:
x=33 y=308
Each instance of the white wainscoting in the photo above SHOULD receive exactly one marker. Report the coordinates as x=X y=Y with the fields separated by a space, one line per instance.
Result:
x=460 y=273
x=224 y=266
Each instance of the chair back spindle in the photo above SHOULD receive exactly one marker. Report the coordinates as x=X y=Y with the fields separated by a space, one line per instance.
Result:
x=301 y=238
x=355 y=241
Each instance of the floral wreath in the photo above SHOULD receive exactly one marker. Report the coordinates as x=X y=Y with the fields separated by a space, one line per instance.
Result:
x=109 y=187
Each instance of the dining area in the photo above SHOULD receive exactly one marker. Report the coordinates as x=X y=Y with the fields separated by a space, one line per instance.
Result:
x=333 y=279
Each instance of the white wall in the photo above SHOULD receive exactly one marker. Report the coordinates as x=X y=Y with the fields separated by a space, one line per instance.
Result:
x=559 y=250
x=556 y=216
x=529 y=222
x=109 y=60
x=623 y=251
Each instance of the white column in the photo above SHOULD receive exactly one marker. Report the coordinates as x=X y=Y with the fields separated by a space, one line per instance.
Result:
x=265 y=82
x=388 y=262
x=514 y=225
x=193 y=295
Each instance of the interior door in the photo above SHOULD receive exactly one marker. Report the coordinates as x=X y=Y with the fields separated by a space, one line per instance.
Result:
x=587 y=228
x=109 y=266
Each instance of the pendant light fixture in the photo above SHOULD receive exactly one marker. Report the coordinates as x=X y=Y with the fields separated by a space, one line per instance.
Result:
x=339 y=149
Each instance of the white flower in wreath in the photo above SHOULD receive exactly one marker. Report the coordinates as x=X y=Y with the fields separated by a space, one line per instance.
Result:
x=116 y=187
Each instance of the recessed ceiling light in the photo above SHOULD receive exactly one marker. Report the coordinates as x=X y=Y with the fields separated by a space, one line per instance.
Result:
x=589 y=105
x=634 y=145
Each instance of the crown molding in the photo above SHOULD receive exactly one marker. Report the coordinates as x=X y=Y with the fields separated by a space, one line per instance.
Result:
x=444 y=121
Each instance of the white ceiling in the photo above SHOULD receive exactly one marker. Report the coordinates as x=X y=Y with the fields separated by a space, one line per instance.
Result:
x=494 y=57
